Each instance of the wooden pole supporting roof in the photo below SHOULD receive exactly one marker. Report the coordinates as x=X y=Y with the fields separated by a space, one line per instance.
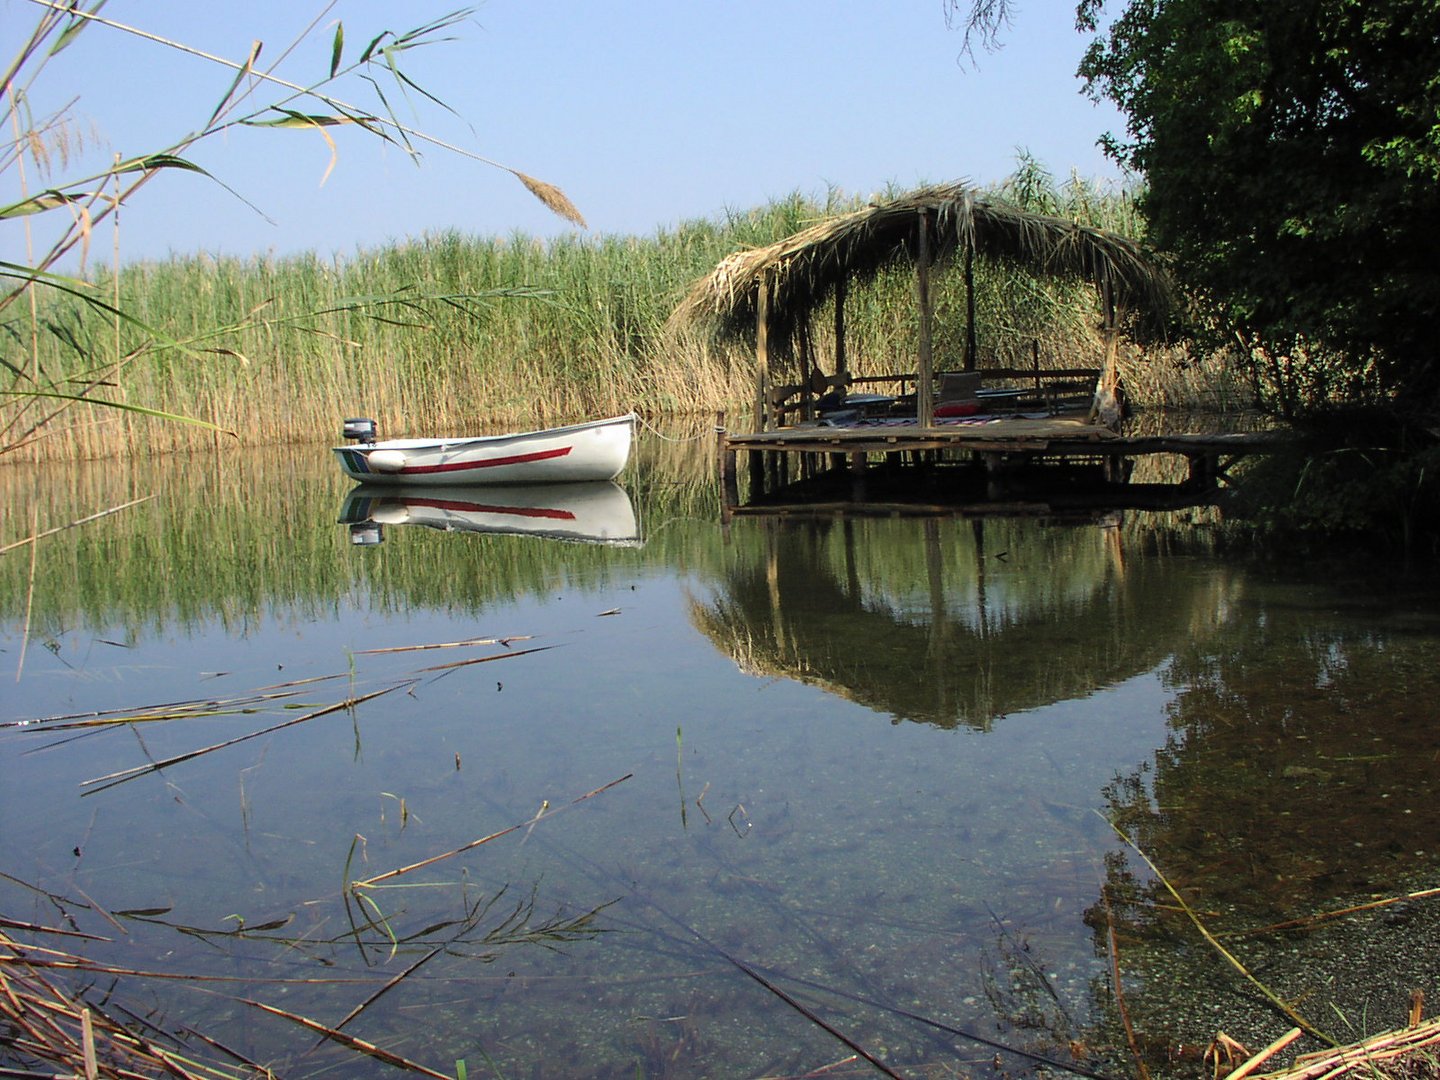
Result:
x=925 y=384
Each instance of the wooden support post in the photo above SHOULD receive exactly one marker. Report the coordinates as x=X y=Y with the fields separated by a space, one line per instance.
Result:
x=762 y=353
x=1203 y=468
x=842 y=361
x=925 y=389
x=729 y=483
x=808 y=367
x=971 y=346
x=859 y=466
x=1106 y=407
x=994 y=474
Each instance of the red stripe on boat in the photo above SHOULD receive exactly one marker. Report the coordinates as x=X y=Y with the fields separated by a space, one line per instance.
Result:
x=461 y=466
x=482 y=508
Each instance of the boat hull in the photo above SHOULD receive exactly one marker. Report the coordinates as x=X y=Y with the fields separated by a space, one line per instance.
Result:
x=579 y=453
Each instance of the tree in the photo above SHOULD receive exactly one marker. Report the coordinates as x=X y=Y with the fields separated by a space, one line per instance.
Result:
x=1291 y=155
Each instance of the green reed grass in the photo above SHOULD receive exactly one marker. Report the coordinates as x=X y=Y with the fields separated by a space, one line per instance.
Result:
x=450 y=331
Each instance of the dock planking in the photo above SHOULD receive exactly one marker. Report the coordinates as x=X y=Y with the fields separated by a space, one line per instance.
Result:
x=1001 y=444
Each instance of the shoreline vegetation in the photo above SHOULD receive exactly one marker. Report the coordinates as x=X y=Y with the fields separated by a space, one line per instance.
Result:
x=474 y=334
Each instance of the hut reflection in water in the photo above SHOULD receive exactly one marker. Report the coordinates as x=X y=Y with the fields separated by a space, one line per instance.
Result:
x=992 y=617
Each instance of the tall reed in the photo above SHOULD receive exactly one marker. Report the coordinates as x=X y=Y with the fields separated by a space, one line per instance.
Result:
x=450 y=331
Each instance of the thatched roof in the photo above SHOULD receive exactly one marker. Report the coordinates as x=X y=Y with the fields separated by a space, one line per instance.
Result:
x=802 y=271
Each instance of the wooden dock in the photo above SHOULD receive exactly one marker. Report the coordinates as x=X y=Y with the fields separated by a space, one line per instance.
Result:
x=1003 y=448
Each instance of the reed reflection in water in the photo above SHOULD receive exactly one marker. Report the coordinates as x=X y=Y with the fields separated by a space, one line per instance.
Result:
x=865 y=763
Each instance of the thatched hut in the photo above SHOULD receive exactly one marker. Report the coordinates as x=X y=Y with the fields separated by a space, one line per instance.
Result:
x=773 y=293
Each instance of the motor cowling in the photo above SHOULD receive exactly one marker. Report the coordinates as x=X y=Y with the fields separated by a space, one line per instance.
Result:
x=359 y=428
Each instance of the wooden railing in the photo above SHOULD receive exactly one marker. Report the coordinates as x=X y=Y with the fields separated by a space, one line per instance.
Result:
x=1047 y=387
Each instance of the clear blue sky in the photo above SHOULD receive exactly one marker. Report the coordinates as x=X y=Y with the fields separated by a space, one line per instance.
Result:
x=645 y=112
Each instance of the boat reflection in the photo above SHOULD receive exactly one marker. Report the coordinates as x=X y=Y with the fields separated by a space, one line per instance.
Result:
x=589 y=513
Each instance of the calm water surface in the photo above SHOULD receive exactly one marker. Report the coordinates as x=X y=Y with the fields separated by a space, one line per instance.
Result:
x=799 y=780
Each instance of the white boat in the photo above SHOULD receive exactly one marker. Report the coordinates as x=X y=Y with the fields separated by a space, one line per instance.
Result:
x=596 y=450
x=598 y=512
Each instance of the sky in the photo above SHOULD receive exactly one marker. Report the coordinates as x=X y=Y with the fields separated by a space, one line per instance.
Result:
x=645 y=113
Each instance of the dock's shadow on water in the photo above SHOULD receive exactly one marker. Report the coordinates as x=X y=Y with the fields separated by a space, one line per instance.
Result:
x=768 y=794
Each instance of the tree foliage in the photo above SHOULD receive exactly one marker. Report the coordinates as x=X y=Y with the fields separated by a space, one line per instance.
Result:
x=1291 y=155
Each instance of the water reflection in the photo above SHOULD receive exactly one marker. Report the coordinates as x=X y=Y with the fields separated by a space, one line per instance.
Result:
x=1267 y=742
x=593 y=513
x=1300 y=778
x=964 y=623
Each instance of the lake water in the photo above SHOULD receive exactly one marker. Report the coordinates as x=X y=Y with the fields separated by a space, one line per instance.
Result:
x=777 y=791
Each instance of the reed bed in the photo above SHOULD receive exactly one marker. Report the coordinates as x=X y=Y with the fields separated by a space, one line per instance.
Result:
x=481 y=334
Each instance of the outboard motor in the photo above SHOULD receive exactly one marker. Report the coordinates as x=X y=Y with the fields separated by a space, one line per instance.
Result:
x=366 y=534
x=360 y=428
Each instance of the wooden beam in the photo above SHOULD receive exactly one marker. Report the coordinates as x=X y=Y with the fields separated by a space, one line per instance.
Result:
x=925 y=388
x=842 y=362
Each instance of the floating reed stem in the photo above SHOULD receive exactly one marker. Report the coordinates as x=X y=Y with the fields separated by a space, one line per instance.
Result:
x=367 y=1048
x=112 y=779
x=453 y=664
x=505 y=641
x=544 y=813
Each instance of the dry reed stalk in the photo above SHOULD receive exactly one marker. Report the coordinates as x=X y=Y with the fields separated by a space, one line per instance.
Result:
x=1310 y=920
x=87 y=1045
x=825 y=1070
x=70 y=525
x=390 y=984
x=53 y=1027
x=34 y=928
x=1363 y=1059
x=1256 y=1060
x=188 y=710
x=1119 y=990
x=173 y=710
x=1214 y=943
